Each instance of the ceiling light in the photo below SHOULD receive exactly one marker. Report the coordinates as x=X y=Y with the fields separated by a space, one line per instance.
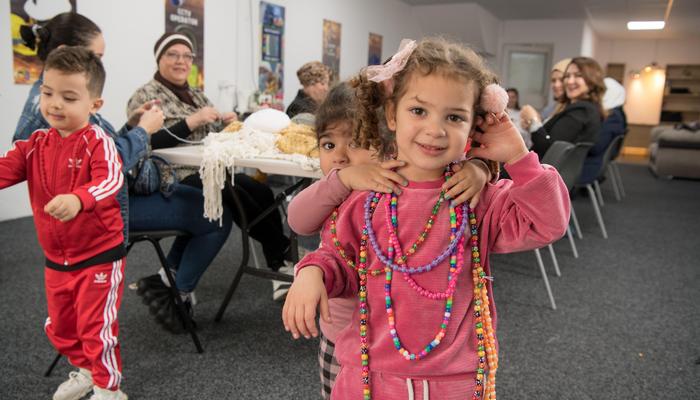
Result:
x=645 y=25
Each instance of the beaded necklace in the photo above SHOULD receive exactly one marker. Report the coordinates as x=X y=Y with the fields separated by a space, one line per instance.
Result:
x=486 y=344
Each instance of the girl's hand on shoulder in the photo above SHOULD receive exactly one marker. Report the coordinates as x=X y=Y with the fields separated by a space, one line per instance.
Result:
x=499 y=139
x=467 y=182
x=299 y=312
x=375 y=177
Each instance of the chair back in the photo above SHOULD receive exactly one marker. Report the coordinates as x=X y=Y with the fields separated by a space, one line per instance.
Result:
x=570 y=163
x=611 y=153
x=557 y=152
x=616 y=152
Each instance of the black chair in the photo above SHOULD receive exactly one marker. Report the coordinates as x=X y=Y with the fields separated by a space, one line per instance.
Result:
x=606 y=170
x=154 y=237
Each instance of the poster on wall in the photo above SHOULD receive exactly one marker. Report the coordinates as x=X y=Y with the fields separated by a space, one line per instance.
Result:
x=331 y=48
x=187 y=18
x=271 y=71
x=26 y=65
x=374 y=56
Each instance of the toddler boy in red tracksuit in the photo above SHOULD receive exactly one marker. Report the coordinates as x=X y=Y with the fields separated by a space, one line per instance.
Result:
x=74 y=173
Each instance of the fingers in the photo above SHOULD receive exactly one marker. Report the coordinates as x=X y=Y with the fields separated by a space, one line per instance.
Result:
x=310 y=321
x=300 y=317
x=475 y=200
x=324 y=309
x=391 y=164
x=394 y=177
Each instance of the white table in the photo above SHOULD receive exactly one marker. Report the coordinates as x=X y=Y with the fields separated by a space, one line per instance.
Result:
x=192 y=156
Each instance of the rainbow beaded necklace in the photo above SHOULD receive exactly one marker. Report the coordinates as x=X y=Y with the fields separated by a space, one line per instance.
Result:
x=486 y=348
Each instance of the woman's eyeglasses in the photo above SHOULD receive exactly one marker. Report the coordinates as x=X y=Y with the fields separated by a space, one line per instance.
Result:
x=174 y=56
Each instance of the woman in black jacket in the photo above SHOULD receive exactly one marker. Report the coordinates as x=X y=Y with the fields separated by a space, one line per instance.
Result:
x=580 y=120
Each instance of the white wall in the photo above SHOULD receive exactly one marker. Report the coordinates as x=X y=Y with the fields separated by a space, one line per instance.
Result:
x=565 y=35
x=637 y=54
x=131 y=27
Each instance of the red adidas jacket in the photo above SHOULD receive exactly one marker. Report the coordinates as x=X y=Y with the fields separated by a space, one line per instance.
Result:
x=86 y=164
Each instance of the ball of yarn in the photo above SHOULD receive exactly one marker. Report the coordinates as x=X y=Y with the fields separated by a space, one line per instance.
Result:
x=494 y=99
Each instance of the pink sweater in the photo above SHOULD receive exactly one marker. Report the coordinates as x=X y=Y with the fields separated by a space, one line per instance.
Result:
x=527 y=212
x=307 y=212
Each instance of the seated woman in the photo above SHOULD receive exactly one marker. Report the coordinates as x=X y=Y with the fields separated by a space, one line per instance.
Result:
x=189 y=117
x=314 y=78
x=614 y=125
x=580 y=120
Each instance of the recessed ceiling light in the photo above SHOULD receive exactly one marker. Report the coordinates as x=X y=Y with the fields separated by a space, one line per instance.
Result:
x=645 y=25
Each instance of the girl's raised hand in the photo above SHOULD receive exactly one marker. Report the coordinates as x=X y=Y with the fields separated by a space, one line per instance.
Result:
x=467 y=182
x=299 y=311
x=499 y=139
x=378 y=178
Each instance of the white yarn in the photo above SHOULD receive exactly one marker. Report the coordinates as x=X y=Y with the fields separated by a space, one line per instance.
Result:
x=219 y=155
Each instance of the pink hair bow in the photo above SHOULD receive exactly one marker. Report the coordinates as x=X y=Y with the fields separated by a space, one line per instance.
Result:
x=384 y=73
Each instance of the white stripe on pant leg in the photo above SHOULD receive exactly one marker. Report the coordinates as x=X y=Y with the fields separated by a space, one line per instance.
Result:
x=47 y=323
x=109 y=341
x=426 y=391
x=409 y=386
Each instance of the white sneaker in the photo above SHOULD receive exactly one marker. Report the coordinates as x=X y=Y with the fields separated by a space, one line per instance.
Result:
x=280 y=288
x=104 y=394
x=76 y=387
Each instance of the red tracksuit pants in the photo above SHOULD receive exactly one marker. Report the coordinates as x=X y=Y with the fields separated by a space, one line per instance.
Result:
x=82 y=323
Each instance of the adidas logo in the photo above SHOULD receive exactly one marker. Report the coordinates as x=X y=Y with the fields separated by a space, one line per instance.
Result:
x=75 y=163
x=100 y=277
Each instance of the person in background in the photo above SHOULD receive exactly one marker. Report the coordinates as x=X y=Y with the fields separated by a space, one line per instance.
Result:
x=582 y=114
x=614 y=125
x=314 y=78
x=73 y=173
x=556 y=84
x=513 y=110
x=189 y=117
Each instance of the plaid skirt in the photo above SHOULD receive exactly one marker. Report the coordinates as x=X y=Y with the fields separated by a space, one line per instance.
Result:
x=328 y=366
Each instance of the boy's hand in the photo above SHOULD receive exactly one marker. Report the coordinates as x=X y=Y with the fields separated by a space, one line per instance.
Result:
x=378 y=178
x=467 y=182
x=135 y=116
x=299 y=311
x=64 y=207
x=152 y=120
x=500 y=140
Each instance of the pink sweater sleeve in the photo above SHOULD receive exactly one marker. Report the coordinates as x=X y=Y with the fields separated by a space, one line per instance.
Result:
x=313 y=205
x=526 y=212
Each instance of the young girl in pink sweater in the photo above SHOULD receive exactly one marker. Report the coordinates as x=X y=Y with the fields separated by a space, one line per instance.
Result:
x=347 y=167
x=425 y=322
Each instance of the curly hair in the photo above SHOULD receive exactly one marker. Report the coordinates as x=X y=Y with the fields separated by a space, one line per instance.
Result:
x=593 y=75
x=312 y=72
x=432 y=55
x=341 y=106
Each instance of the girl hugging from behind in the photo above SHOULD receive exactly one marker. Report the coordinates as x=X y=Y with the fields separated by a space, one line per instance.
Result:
x=424 y=324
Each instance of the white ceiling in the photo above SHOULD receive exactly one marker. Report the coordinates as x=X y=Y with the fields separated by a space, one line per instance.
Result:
x=607 y=17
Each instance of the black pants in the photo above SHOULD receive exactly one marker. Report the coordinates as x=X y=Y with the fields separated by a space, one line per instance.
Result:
x=255 y=197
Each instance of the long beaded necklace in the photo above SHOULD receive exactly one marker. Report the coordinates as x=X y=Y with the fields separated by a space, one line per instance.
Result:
x=486 y=348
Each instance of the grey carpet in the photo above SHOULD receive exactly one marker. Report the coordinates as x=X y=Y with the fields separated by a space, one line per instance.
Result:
x=627 y=323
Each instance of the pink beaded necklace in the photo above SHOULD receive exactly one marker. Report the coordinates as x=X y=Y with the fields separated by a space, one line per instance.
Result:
x=486 y=348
